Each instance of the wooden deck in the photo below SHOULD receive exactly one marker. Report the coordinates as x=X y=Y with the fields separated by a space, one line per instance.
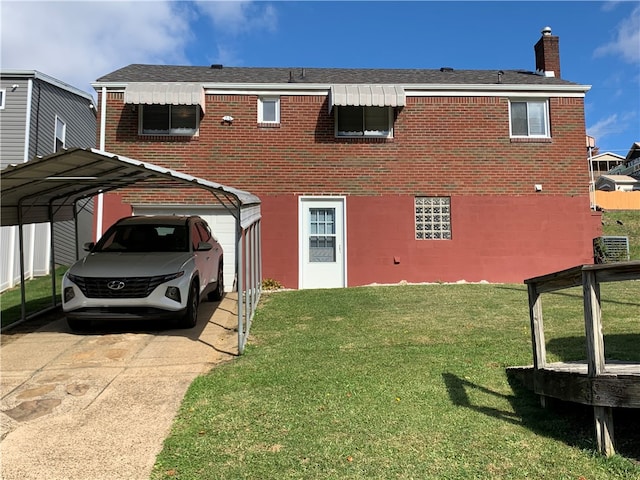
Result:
x=604 y=385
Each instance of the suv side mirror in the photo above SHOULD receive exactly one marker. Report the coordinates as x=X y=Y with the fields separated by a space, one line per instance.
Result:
x=88 y=246
x=204 y=247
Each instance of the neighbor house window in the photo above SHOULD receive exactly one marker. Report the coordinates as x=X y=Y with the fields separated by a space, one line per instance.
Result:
x=3 y=94
x=364 y=121
x=169 y=119
x=269 y=110
x=61 y=132
x=433 y=218
x=529 y=118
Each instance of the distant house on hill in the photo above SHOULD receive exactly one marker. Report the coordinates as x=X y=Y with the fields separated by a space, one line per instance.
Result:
x=604 y=162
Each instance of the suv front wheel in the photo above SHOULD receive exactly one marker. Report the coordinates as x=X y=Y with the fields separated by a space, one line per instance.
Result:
x=217 y=294
x=190 y=318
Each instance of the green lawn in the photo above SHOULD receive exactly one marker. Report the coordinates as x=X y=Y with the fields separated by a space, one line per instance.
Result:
x=38 y=297
x=400 y=382
x=626 y=224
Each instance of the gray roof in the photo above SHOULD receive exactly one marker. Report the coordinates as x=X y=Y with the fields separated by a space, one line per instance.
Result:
x=7 y=74
x=324 y=76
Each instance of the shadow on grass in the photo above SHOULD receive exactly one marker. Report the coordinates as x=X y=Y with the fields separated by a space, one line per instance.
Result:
x=620 y=347
x=568 y=422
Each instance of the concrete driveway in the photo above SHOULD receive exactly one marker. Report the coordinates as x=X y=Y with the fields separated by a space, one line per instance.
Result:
x=99 y=405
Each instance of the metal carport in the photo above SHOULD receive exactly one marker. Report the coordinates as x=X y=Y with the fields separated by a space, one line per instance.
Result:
x=47 y=189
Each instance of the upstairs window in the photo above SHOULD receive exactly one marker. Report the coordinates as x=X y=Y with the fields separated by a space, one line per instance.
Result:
x=529 y=118
x=61 y=132
x=169 y=119
x=352 y=121
x=3 y=93
x=269 y=110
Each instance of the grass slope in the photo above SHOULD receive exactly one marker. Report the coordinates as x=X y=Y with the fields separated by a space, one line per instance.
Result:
x=398 y=382
x=624 y=223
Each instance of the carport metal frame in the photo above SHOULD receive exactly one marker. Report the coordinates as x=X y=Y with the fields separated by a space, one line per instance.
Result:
x=48 y=189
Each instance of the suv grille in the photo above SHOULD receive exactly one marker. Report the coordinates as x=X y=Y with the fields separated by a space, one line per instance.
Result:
x=128 y=287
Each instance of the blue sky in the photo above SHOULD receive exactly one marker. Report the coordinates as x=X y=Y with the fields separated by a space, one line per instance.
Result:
x=79 y=41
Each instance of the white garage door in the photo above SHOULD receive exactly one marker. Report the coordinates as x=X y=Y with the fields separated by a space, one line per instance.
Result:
x=222 y=224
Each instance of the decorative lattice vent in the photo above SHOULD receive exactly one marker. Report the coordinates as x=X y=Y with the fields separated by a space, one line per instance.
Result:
x=610 y=249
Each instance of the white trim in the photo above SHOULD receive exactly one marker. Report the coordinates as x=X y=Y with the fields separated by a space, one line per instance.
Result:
x=524 y=92
x=411 y=89
x=3 y=98
x=103 y=118
x=27 y=127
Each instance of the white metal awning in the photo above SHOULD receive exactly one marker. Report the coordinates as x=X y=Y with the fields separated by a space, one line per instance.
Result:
x=367 y=96
x=166 y=93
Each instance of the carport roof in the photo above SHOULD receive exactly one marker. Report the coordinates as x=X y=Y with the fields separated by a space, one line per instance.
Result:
x=46 y=188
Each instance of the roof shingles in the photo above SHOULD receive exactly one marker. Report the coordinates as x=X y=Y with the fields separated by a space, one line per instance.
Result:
x=324 y=76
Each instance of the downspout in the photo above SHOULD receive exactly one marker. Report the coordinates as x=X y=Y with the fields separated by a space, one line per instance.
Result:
x=103 y=128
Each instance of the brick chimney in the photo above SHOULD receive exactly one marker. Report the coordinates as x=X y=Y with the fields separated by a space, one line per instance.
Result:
x=548 y=54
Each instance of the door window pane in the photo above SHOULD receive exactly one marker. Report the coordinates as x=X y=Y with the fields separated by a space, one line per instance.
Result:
x=322 y=238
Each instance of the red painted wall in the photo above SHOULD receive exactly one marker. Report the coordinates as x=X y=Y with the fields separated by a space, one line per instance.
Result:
x=113 y=210
x=443 y=146
x=497 y=239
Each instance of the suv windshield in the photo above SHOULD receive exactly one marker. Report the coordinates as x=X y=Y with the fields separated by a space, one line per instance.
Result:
x=144 y=238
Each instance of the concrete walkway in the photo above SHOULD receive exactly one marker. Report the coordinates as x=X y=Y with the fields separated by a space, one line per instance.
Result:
x=99 y=405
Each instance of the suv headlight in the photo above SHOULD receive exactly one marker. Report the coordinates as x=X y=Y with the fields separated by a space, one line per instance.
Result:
x=172 y=276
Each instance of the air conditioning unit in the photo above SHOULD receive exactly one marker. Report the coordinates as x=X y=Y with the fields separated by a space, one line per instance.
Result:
x=610 y=249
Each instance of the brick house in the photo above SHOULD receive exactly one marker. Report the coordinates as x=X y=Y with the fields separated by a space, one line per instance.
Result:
x=370 y=175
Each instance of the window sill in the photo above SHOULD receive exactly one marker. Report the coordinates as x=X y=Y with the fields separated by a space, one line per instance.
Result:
x=531 y=140
x=268 y=125
x=167 y=138
x=344 y=139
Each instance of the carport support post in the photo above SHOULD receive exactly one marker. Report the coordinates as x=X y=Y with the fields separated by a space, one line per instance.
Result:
x=239 y=274
x=52 y=260
x=23 y=304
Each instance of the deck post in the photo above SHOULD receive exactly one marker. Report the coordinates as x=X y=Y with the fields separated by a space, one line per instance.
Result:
x=603 y=416
x=537 y=328
x=593 y=323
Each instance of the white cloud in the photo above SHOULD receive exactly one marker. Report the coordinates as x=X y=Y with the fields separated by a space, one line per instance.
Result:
x=239 y=16
x=627 y=40
x=614 y=124
x=77 y=42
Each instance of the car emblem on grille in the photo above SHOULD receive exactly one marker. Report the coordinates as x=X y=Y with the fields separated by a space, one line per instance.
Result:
x=115 y=285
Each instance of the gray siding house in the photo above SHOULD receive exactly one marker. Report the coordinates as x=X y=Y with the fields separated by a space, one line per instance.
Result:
x=40 y=115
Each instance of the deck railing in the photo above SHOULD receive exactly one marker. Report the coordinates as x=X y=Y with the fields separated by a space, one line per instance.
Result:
x=604 y=387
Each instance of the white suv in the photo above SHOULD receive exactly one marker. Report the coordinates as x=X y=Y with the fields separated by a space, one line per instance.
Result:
x=151 y=267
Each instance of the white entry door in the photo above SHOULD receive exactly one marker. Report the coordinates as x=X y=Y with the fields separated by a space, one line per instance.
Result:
x=322 y=243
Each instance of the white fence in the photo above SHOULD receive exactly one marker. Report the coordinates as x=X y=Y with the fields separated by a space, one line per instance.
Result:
x=37 y=253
